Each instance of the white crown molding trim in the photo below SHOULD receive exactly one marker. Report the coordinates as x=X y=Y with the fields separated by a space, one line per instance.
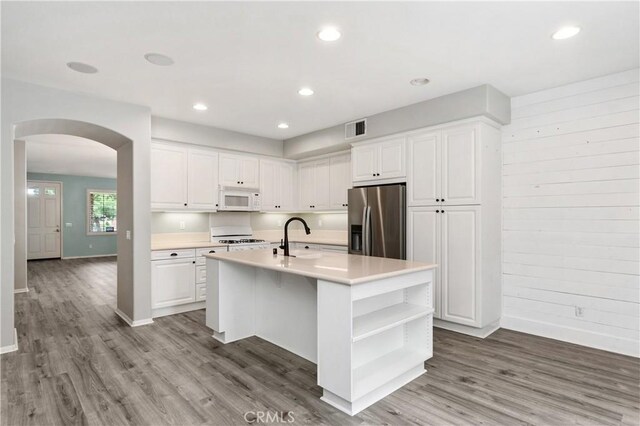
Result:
x=132 y=323
x=13 y=347
x=84 y=257
x=573 y=335
x=21 y=290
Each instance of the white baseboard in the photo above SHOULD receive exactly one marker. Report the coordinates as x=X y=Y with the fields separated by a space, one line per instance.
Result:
x=573 y=335
x=465 y=329
x=21 y=290
x=85 y=257
x=132 y=323
x=13 y=347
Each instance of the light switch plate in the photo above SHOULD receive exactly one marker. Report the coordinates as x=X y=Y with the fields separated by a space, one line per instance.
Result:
x=128 y=235
x=68 y=225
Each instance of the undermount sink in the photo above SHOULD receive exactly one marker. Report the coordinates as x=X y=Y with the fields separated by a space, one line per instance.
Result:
x=306 y=254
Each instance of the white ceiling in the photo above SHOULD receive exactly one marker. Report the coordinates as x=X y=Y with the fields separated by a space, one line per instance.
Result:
x=246 y=61
x=70 y=155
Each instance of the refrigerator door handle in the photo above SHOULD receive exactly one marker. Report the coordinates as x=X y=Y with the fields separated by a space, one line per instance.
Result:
x=367 y=231
x=364 y=231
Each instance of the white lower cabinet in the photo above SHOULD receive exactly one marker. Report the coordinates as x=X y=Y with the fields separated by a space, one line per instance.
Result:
x=451 y=238
x=173 y=282
x=178 y=278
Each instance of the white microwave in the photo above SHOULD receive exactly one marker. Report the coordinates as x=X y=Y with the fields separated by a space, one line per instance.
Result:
x=239 y=199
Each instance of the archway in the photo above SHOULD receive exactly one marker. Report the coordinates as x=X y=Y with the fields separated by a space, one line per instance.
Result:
x=123 y=147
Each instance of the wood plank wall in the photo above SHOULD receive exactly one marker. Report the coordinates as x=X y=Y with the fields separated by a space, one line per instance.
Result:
x=571 y=213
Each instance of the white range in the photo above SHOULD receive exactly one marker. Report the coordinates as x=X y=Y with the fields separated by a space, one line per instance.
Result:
x=237 y=238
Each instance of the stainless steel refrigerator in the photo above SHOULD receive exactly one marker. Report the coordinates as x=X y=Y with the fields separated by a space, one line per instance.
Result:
x=377 y=216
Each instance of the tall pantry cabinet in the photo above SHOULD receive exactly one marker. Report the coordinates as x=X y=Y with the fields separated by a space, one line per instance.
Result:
x=454 y=219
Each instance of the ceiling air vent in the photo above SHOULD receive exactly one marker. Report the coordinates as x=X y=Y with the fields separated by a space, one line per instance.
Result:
x=355 y=129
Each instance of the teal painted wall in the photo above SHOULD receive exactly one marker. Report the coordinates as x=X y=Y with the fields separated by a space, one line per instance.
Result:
x=76 y=242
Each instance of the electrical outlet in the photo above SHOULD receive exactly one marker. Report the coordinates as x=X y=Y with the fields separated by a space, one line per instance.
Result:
x=319 y=223
x=579 y=311
x=68 y=225
x=182 y=224
x=90 y=245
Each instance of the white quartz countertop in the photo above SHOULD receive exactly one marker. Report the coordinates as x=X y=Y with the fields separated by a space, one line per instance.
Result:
x=167 y=245
x=336 y=267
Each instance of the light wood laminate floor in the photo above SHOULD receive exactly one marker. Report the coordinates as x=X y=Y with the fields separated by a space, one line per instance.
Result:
x=79 y=364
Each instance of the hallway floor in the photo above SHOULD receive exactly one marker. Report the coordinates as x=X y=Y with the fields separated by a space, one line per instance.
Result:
x=78 y=363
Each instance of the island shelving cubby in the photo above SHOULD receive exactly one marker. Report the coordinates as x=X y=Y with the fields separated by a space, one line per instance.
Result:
x=384 y=329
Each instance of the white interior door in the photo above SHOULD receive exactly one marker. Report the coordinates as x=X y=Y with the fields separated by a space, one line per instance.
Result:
x=43 y=219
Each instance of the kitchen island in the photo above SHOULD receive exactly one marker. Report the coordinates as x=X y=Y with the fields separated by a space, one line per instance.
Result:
x=365 y=321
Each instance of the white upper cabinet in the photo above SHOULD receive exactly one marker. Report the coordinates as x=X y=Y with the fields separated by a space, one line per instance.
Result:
x=306 y=185
x=322 y=188
x=323 y=183
x=202 y=179
x=340 y=180
x=169 y=175
x=239 y=170
x=423 y=182
x=460 y=165
x=391 y=163
x=444 y=167
x=375 y=161
x=277 y=183
x=364 y=162
x=174 y=185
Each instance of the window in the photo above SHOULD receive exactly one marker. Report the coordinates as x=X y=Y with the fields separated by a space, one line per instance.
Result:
x=101 y=212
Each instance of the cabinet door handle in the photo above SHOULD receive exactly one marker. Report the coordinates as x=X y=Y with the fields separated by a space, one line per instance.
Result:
x=212 y=251
x=173 y=254
x=193 y=261
x=437 y=211
x=185 y=204
x=437 y=200
x=442 y=211
x=443 y=200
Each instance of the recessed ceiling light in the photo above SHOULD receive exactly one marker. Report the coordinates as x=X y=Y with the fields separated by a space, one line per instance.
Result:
x=565 y=32
x=305 y=91
x=419 y=81
x=199 y=107
x=159 y=59
x=283 y=126
x=329 y=34
x=83 y=68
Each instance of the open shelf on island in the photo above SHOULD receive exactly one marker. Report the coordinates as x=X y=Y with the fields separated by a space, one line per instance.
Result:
x=378 y=372
x=381 y=320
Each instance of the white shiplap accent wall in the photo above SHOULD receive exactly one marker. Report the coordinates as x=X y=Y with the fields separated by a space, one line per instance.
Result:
x=571 y=225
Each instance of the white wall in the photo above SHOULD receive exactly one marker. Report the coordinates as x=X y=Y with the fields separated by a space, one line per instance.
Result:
x=483 y=100
x=179 y=131
x=571 y=213
x=24 y=102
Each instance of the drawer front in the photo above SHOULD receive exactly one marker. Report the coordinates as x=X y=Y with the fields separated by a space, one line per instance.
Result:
x=200 y=259
x=201 y=274
x=172 y=254
x=201 y=292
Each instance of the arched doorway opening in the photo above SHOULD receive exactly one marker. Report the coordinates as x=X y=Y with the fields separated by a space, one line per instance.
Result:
x=124 y=151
